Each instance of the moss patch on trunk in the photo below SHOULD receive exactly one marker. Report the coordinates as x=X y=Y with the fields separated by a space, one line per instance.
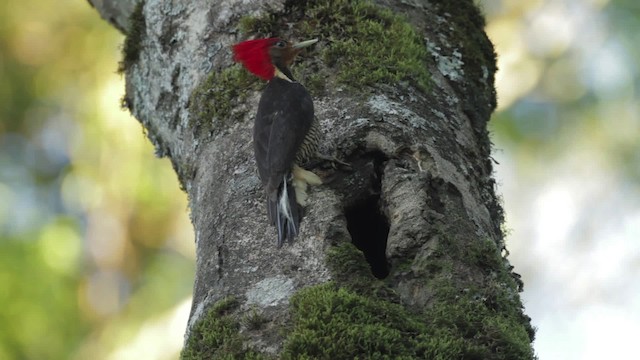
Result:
x=133 y=42
x=361 y=44
x=359 y=315
x=217 y=336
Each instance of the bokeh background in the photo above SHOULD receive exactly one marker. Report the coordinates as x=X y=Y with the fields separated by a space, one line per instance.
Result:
x=96 y=249
x=567 y=136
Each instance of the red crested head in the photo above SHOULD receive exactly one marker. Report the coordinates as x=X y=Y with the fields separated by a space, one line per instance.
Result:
x=254 y=55
x=263 y=56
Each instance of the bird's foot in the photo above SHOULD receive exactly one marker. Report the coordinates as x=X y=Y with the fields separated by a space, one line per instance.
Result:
x=334 y=161
x=301 y=180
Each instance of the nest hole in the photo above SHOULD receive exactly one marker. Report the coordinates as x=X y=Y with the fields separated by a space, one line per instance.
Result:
x=369 y=229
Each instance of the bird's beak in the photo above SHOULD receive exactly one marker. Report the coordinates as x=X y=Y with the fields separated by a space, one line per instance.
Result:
x=304 y=44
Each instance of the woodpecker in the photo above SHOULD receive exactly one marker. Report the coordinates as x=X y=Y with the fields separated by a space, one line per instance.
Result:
x=285 y=133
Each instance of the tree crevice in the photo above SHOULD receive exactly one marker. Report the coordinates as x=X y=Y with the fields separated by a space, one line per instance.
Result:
x=369 y=229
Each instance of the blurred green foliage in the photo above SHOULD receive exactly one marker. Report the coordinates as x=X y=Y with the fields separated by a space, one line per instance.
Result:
x=567 y=136
x=94 y=236
x=40 y=313
x=573 y=67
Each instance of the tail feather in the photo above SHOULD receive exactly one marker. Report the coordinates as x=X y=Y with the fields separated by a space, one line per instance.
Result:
x=284 y=211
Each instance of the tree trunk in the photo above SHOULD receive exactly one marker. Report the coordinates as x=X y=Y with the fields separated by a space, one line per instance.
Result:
x=401 y=254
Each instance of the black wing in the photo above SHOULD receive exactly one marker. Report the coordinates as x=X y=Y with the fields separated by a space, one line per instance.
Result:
x=285 y=115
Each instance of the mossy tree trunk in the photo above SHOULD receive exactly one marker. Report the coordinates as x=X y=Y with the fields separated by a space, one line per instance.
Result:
x=399 y=255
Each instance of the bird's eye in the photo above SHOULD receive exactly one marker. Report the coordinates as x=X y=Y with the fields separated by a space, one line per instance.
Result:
x=281 y=44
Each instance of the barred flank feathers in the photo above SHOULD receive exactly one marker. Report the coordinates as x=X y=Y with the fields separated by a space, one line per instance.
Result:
x=309 y=147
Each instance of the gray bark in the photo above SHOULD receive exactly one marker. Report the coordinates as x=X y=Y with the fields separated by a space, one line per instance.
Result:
x=426 y=154
x=115 y=12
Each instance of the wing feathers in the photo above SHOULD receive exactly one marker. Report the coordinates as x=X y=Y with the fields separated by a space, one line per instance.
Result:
x=285 y=115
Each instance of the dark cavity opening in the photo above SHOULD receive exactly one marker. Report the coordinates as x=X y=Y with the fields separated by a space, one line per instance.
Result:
x=369 y=229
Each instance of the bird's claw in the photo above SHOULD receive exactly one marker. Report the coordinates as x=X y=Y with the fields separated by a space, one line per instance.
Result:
x=333 y=160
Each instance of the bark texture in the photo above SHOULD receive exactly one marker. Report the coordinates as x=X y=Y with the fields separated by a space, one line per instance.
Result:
x=418 y=201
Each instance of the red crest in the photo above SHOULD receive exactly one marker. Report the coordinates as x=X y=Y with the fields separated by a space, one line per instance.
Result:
x=254 y=55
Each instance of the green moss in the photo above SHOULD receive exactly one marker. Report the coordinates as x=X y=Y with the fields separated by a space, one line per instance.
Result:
x=469 y=38
x=133 y=42
x=350 y=269
x=219 y=100
x=469 y=27
x=254 y=320
x=348 y=264
x=316 y=84
x=185 y=171
x=263 y=25
x=482 y=254
x=334 y=322
x=466 y=325
x=485 y=255
x=485 y=283
x=363 y=44
x=358 y=314
x=216 y=336
x=470 y=24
